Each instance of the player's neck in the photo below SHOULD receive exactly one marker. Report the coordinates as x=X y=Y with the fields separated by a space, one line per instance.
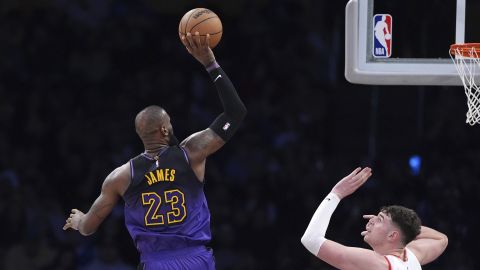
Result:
x=390 y=250
x=397 y=252
x=154 y=148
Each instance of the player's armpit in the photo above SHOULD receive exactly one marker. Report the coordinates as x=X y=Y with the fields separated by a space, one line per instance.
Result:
x=346 y=258
x=428 y=245
x=112 y=188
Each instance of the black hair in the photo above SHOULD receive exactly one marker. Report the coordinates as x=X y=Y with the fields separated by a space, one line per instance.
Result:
x=406 y=219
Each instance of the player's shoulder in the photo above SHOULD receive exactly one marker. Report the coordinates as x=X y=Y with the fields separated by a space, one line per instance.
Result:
x=186 y=142
x=412 y=256
x=120 y=171
x=119 y=178
x=408 y=261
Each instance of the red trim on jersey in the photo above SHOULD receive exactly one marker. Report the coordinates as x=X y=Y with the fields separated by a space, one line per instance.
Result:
x=404 y=256
x=389 y=265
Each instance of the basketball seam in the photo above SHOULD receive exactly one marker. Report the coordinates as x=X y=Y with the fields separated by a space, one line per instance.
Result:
x=202 y=22
x=203 y=35
x=186 y=23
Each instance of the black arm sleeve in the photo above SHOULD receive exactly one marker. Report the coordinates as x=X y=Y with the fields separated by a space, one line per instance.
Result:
x=227 y=123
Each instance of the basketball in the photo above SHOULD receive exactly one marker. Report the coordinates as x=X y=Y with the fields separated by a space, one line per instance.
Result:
x=203 y=21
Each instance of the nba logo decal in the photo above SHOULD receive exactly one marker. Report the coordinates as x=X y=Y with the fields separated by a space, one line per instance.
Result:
x=226 y=126
x=382 y=36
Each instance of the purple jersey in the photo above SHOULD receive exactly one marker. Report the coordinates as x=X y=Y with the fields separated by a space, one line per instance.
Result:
x=165 y=207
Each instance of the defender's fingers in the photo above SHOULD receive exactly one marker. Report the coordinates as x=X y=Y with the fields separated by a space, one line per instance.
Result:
x=368 y=216
x=362 y=179
x=359 y=175
x=366 y=176
x=365 y=173
x=354 y=172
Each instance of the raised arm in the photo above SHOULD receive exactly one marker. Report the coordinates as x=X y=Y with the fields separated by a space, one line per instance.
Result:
x=428 y=245
x=351 y=258
x=113 y=187
x=335 y=254
x=202 y=144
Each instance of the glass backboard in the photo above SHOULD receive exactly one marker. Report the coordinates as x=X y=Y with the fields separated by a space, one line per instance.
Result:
x=421 y=34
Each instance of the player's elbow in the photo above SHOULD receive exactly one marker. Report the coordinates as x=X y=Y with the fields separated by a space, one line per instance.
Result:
x=311 y=244
x=86 y=229
x=85 y=232
x=306 y=243
x=239 y=113
x=244 y=113
x=441 y=241
x=304 y=240
x=444 y=241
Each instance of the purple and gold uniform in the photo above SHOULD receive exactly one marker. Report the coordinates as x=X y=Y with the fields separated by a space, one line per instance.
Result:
x=166 y=212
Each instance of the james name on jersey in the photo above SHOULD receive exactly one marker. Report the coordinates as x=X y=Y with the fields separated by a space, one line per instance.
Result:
x=160 y=175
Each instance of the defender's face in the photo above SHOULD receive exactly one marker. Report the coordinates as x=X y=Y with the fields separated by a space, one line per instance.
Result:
x=377 y=229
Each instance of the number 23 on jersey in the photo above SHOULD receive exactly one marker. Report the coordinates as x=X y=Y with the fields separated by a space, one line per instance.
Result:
x=157 y=214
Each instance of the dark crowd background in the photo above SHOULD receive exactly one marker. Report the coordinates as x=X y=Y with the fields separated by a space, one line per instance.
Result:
x=74 y=73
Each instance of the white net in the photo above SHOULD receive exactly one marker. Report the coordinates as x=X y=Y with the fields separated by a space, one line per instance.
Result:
x=467 y=64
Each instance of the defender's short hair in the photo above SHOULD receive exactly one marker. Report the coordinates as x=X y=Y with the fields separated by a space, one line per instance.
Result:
x=406 y=219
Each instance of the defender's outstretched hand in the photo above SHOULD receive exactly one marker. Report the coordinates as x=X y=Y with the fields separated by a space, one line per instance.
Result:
x=199 y=47
x=74 y=220
x=352 y=182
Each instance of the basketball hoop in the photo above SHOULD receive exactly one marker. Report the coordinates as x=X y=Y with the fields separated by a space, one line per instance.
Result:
x=467 y=62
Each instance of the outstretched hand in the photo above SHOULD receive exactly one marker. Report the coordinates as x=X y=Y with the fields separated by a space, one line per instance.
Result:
x=352 y=182
x=199 y=47
x=74 y=220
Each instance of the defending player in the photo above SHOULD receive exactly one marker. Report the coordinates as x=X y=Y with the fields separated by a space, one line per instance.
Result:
x=398 y=240
x=166 y=212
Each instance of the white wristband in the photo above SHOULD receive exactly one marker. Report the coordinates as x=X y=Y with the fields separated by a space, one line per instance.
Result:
x=314 y=235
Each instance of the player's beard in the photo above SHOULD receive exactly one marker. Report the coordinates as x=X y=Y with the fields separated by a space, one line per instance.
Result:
x=172 y=140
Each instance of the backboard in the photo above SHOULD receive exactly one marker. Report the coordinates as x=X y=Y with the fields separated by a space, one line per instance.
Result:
x=421 y=34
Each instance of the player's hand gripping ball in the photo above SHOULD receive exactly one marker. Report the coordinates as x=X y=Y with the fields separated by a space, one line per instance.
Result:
x=203 y=21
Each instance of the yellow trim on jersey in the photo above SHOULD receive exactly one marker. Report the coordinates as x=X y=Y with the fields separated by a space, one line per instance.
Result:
x=176 y=212
x=151 y=202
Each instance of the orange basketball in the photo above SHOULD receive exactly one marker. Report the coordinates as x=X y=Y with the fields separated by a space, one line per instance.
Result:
x=203 y=21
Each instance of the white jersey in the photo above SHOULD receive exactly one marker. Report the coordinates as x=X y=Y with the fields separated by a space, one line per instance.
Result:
x=410 y=263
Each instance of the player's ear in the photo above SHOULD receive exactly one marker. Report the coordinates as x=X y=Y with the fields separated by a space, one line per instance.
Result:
x=393 y=235
x=165 y=131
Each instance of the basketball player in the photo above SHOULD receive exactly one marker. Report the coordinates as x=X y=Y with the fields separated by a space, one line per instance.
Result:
x=381 y=32
x=398 y=240
x=166 y=212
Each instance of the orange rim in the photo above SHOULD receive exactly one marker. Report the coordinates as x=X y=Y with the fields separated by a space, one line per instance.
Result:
x=466 y=50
